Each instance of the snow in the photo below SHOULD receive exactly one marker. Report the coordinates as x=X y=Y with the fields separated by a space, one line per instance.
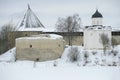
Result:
x=60 y=69
x=30 y=29
x=42 y=36
x=36 y=29
x=115 y=28
x=99 y=28
x=21 y=72
x=8 y=56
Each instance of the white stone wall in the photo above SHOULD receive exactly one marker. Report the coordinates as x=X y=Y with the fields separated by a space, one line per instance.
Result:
x=97 y=21
x=92 y=38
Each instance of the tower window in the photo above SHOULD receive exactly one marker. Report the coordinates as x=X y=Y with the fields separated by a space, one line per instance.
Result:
x=30 y=46
x=37 y=59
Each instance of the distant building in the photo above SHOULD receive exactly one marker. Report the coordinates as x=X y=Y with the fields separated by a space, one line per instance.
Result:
x=92 y=34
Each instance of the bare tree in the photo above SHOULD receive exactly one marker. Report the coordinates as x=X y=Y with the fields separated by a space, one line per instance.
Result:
x=69 y=24
x=105 y=41
x=6 y=29
x=4 y=32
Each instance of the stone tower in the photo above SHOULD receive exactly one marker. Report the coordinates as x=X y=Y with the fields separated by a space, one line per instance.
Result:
x=30 y=20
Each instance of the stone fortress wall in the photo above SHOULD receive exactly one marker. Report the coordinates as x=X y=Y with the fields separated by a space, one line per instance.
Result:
x=77 y=37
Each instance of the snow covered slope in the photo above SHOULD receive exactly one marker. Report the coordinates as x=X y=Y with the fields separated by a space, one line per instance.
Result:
x=8 y=56
x=24 y=71
x=60 y=69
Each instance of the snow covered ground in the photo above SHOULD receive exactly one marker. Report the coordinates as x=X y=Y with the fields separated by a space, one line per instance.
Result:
x=61 y=69
x=8 y=56
x=25 y=71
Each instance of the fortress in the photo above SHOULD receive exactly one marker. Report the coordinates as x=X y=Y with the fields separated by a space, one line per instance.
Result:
x=24 y=31
x=29 y=27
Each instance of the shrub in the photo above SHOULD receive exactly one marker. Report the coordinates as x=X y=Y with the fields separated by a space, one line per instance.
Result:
x=55 y=63
x=109 y=65
x=103 y=62
x=94 y=52
x=109 y=53
x=114 y=64
x=73 y=54
x=96 y=61
x=86 y=55
x=114 y=52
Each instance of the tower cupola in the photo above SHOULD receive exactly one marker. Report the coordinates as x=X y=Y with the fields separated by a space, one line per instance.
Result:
x=97 y=14
x=97 y=19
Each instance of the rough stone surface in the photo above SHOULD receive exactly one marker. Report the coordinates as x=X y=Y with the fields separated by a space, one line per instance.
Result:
x=39 y=49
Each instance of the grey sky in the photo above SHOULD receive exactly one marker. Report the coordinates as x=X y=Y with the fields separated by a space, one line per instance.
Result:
x=48 y=11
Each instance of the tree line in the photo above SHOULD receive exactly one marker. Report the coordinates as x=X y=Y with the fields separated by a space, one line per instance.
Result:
x=4 y=32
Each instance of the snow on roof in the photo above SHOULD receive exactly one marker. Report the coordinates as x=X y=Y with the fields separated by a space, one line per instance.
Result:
x=31 y=29
x=98 y=28
x=30 y=20
x=42 y=36
x=8 y=56
x=36 y=29
x=115 y=29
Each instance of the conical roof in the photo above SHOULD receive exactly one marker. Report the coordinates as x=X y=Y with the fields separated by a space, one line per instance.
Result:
x=97 y=14
x=30 y=20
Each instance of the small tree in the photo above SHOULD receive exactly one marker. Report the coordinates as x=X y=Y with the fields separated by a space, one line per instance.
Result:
x=114 y=52
x=5 y=29
x=114 y=42
x=73 y=55
x=69 y=24
x=105 y=41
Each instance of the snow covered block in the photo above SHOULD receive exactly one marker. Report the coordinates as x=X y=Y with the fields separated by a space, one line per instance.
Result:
x=41 y=47
x=93 y=39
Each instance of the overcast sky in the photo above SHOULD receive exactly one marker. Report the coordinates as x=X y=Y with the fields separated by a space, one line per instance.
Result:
x=48 y=11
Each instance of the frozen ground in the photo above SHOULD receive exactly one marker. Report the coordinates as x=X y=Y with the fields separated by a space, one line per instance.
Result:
x=60 y=69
